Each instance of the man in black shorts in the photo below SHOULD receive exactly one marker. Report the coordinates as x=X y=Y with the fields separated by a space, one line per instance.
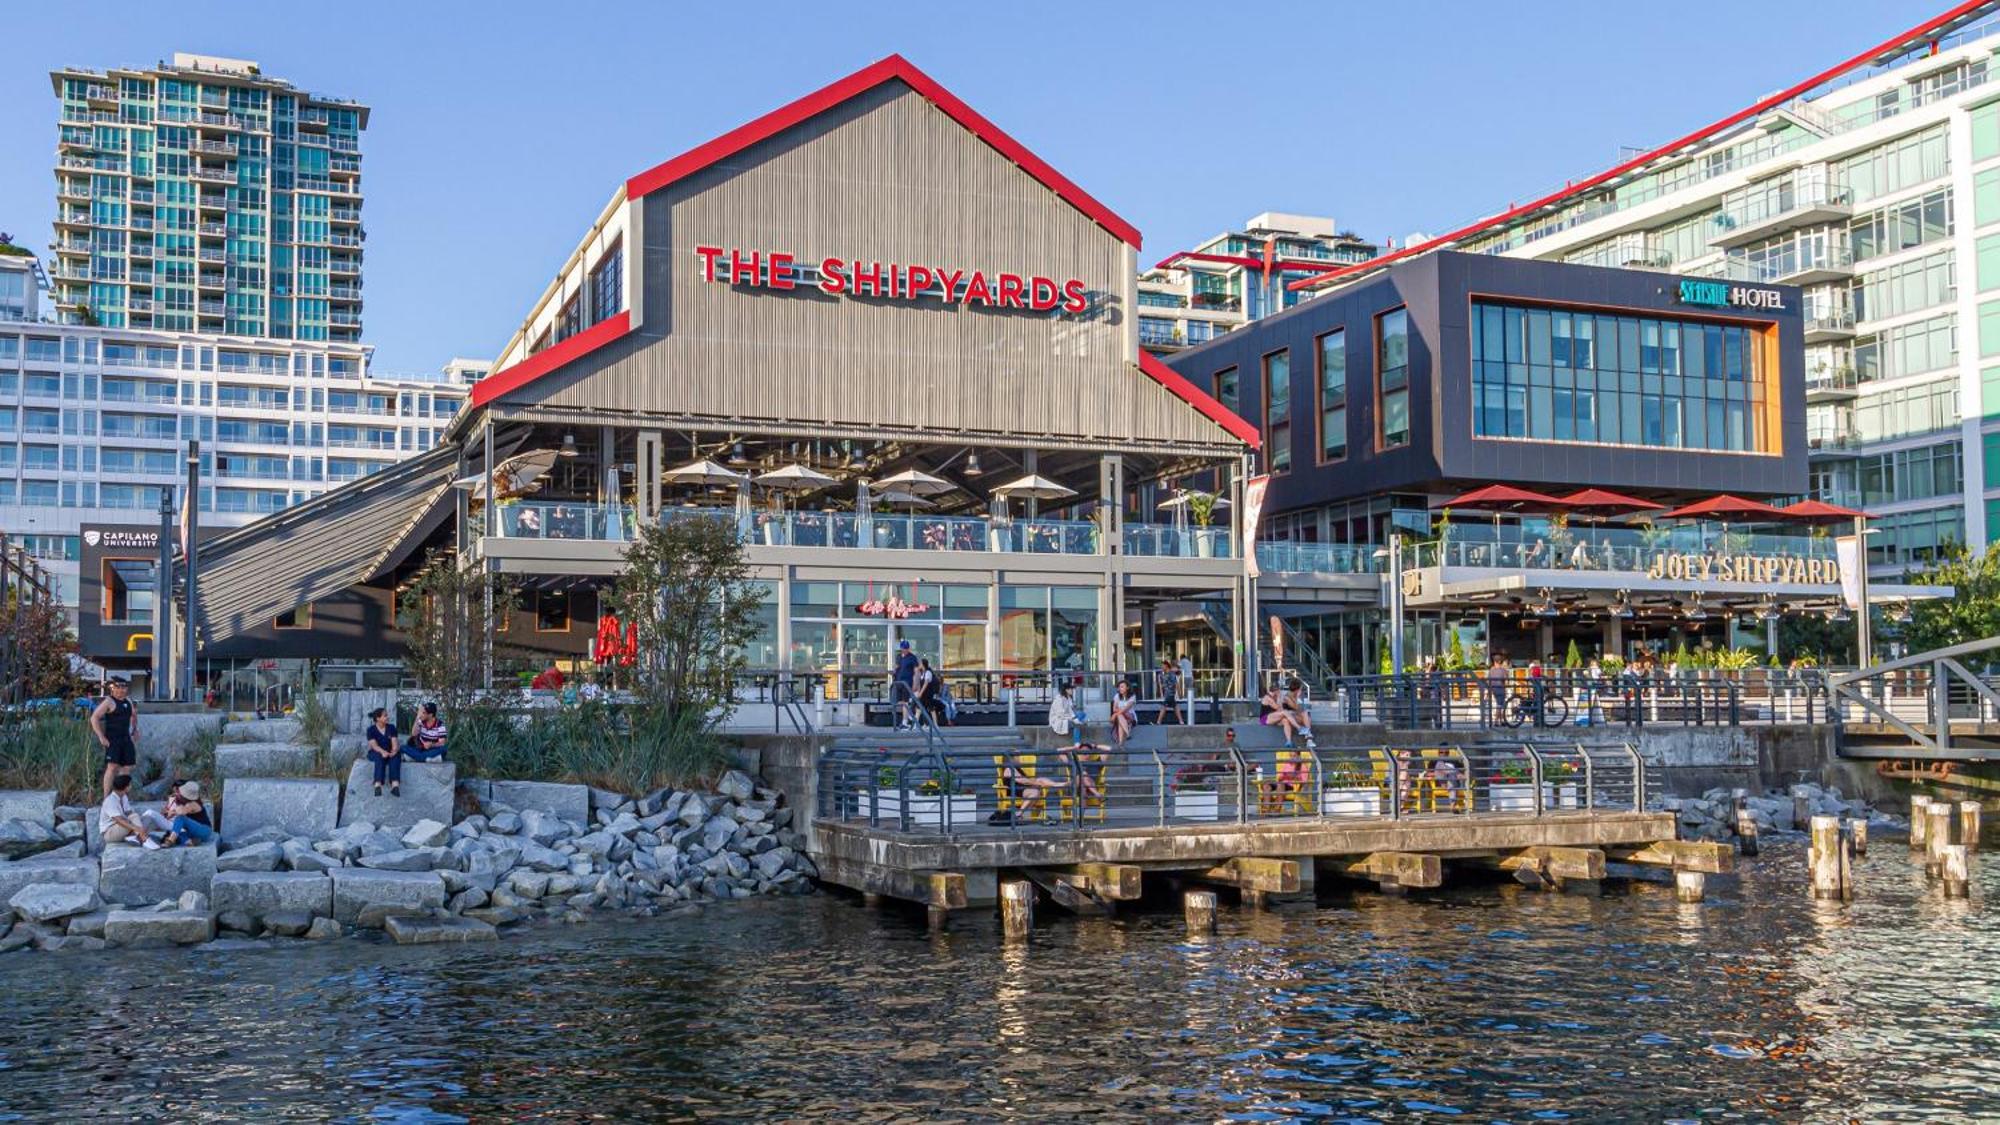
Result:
x=115 y=722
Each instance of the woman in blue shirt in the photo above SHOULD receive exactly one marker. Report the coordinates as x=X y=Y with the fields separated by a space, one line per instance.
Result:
x=383 y=752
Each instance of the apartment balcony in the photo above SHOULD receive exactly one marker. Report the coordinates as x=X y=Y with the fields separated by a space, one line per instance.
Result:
x=210 y=308
x=1815 y=265
x=141 y=198
x=213 y=176
x=343 y=293
x=70 y=250
x=142 y=277
x=223 y=121
x=1832 y=442
x=1774 y=211
x=1826 y=326
x=1836 y=384
x=137 y=222
x=346 y=215
x=74 y=219
x=343 y=144
x=77 y=144
x=339 y=266
x=216 y=148
x=344 y=319
x=115 y=165
x=63 y=271
x=343 y=240
x=139 y=304
x=73 y=194
x=210 y=281
x=213 y=230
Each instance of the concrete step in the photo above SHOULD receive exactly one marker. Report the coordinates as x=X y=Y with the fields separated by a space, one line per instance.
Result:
x=261 y=730
x=262 y=759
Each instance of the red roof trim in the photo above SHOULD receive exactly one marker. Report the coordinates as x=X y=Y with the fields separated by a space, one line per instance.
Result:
x=1289 y=265
x=1201 y=400
x=510 y=379
x=898 y=68
x=1702 y=134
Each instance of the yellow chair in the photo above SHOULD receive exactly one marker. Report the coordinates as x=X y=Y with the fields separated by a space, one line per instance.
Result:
x=1030 y=804
x=1424 y=791
x=1290 y=791
x=1094 y=765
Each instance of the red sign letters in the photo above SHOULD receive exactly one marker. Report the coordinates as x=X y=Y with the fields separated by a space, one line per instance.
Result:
x=852 y=277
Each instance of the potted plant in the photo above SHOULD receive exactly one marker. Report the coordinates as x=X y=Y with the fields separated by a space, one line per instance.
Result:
x=1194 y=793
x=1350 y=791
x=1559 y=786
x=1512 y=788
x=928 y=801
x=1201 y=509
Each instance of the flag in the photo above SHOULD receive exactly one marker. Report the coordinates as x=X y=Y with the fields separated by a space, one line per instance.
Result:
x=1253 y=511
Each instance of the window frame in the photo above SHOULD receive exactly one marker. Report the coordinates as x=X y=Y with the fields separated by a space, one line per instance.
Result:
x=1234 y=372
x=1319 y=398
x=1381 y=414
x=1269 y=400
x=302 y=618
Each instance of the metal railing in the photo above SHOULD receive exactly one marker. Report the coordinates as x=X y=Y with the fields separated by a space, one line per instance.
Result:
x=1002 y=787
x=1932 y=699
x=1476 y=701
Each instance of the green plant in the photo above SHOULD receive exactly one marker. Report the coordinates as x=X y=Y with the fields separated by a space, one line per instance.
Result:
x=1612 y=665
x=1382 y=654
x=50 y=749
x=315 y=723
x=1681 y=658
x=1573 y=659
x=1515 y=772
x=1454 y=655
x=449 y=614
x=1733 y=659
x=1201 y=507
x=199 y=761
x=1558 y=769
x=1347 y=775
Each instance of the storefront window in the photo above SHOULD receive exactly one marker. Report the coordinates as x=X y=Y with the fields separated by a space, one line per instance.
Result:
x=1024 y=628
x=762 y=651
x=1073 y=638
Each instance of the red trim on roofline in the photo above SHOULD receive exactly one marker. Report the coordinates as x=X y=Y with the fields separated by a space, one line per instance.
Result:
x=1702 y=134
x=1201 y=400
x=511 y=379
x=819 y=101
x=1286 y=264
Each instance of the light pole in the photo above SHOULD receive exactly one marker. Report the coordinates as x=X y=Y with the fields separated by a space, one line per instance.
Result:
x=163 y=602
x=1864 y=640
x=1393 y=556
x=190 y=527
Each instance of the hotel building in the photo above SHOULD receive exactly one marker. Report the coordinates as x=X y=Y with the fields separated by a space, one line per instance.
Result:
x=206 y=196
x=1238 y=276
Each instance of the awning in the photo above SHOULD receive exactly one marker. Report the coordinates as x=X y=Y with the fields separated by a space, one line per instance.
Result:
x=323 y=546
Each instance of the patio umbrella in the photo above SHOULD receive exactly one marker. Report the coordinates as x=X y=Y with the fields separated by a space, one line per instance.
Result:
x=1497 y=498
x=1725 y=507
x=516 y=476
x=1031 y=488
x=1605 y=503
x=915 y=481
x=902 y=496
x=1818 y=511
x=795 y=478
x=703 y=472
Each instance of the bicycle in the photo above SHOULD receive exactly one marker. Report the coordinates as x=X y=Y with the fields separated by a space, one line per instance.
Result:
x=1551 y=711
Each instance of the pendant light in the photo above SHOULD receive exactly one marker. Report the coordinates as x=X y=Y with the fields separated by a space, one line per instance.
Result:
x=568 y=449
x=972 y=468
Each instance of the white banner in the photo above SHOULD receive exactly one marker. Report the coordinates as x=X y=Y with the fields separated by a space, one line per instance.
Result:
x=1847 y=549
x=1253 y=512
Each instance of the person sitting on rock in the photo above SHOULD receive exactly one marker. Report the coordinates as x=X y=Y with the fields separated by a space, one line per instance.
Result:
x=427 y=741
x=383 y=753
x=116 y=819
x=186 y=821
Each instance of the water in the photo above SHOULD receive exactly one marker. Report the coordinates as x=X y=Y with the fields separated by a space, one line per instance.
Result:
x=1486 y=1003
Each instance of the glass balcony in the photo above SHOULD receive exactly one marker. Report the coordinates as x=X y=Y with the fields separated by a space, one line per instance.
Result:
x=556 y=519
x=1612 y=549
x=1766 y=209
x=1166 y=540
x=1318 y=558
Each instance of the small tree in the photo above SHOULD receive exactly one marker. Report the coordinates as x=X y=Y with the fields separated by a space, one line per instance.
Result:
x=447 y=627
x=1972 y=613
x=1454 y=657
x=690 y=598
x=1573 y=659
x=36 y=643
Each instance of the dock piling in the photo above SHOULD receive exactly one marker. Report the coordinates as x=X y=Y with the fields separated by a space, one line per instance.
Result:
x=1017 y=909
x=1968 y=825
x=1857 y=830
x=1746 y=822
x=1957 y=870
x=1689 y=885
x=1920 y=822
x=936 y=917
x=1801 y=810
x=1942 y=819
x=1823 y=857
x=1200 y=909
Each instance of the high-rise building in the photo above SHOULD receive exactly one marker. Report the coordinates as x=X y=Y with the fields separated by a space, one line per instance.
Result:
x=94 y=420
x=1878 y=191
x=1237 y=277
x=206 y=196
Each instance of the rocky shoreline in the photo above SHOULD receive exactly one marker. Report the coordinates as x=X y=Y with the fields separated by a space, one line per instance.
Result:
x=517 y=860
x=1712 y=815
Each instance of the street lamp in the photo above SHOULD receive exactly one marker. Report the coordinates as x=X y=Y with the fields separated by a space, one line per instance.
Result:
x=162 y=676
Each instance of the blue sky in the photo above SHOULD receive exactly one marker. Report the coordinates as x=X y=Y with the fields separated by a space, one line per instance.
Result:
x=500 y=129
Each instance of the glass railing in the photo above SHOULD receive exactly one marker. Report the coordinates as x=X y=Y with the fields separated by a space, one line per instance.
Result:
x=549 y=519
x=1318 y=558
x=541 y=519
x=1179 y=542
x=1608 y=549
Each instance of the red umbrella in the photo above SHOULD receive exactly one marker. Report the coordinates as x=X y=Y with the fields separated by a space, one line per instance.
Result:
x=1504 y=498
x=1725 y=507
x=1601 y=500
x=1818 y=511
x=630 y=651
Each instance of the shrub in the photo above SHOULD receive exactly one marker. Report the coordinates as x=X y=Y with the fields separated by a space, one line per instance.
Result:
x=50 y=749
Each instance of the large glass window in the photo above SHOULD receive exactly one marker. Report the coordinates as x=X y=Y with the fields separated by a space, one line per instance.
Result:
x=1333 y=396
x=1551 y=375
x=1392 y=380
x=1226 y=390
x=1278 y=410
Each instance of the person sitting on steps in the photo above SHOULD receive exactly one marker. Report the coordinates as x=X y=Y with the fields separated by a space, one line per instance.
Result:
x=427 y=741
x=383 y=753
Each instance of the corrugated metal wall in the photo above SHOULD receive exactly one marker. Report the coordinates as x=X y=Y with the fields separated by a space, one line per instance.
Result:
x=885 y=177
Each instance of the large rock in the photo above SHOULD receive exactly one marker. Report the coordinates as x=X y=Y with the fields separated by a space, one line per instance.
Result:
x=300 y=857
x=46 y=902
x=36 y=806
x=404 y=859
x=361 y=889
x=294 y=806
x=427 y=834
x=263 y=759
x=93 y=840
x=166 y=738
x=569 y=802
x=264 y=893
x=265 y=731
x=20 y=839
x=427 y=795
x=736 y=785
x=255 y=857
x=27 y=872
x=162 y=927
x=408 y=930
x=138 y=876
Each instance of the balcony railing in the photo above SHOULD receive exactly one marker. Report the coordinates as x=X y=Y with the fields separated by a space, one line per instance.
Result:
x=1620 y=550
x=549 y=519
x=1318 y=558
x=1168 y=541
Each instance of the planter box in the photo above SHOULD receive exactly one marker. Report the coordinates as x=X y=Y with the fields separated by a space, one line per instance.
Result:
x=1518 y=797
x=1363 y=800
x=926 y=810
x=1197 y=804
x=1562 y=795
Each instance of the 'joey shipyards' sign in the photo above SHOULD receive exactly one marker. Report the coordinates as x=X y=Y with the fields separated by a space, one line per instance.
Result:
x=1759 y=569
x=1722 y=295
x=892 y=281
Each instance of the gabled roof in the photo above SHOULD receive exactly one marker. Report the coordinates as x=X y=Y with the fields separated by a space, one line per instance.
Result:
x=1207 y=404
x=893 y=68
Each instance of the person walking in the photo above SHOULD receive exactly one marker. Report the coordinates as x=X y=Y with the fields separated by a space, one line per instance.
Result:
x=902 y=685
x=115 y=723
x=384 y=754
x=1170 y=695
x=927 y=685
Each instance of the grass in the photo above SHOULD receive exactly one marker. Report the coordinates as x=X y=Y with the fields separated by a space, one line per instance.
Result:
x=626 y=749
x=50 y=750
x=315 y=727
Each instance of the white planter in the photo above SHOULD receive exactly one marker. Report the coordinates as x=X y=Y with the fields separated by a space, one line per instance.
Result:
x=1511 y=798
x=1564 y=796
x=1204 y=543
x=770 y=535
x=926 y=810
x=1364 y=800
x=1197 y=804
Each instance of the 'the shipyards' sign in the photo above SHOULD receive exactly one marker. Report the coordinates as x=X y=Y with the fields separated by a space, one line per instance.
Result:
x=894 y=281
x=1722 y=295
x=1758 y=569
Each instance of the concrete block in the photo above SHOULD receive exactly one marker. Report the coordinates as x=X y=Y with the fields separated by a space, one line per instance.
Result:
x=431 y=931
x=261 y=731
x=263 y=893
x=359 y=889
x=428 y=793
x=295 y=806
x=37 y=806
x=139 y=876
x=47 y=902
x=167 y=927
x=263 y=759
x=570 y=802
x=27 y=872
x=167 y=738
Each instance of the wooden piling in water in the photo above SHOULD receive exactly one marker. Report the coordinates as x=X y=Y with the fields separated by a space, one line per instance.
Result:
x=1920 y=822
x=1857 y=830
x=1801 y=810
x=1823 y=857
x=1017 y=909
x=1957 y=871
x=1689 y=885
x=1968 y=825
x=1746 y=822
x=1199 y=906
x=1941 y=818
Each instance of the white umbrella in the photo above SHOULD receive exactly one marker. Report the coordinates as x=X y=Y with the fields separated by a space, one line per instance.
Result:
x=703 y=472
x=916 y=481
x=899 y=496
x=516 y=476
x=1183 y=499
x=795 y=478
x=1034 y=487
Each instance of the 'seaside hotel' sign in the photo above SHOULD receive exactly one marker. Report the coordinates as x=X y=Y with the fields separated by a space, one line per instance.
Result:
x=1759 y=569
x=1722 y=295
x=895 y=281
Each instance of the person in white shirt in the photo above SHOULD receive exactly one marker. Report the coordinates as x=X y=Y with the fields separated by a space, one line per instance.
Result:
x=116 y=819
x=1064 y=718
